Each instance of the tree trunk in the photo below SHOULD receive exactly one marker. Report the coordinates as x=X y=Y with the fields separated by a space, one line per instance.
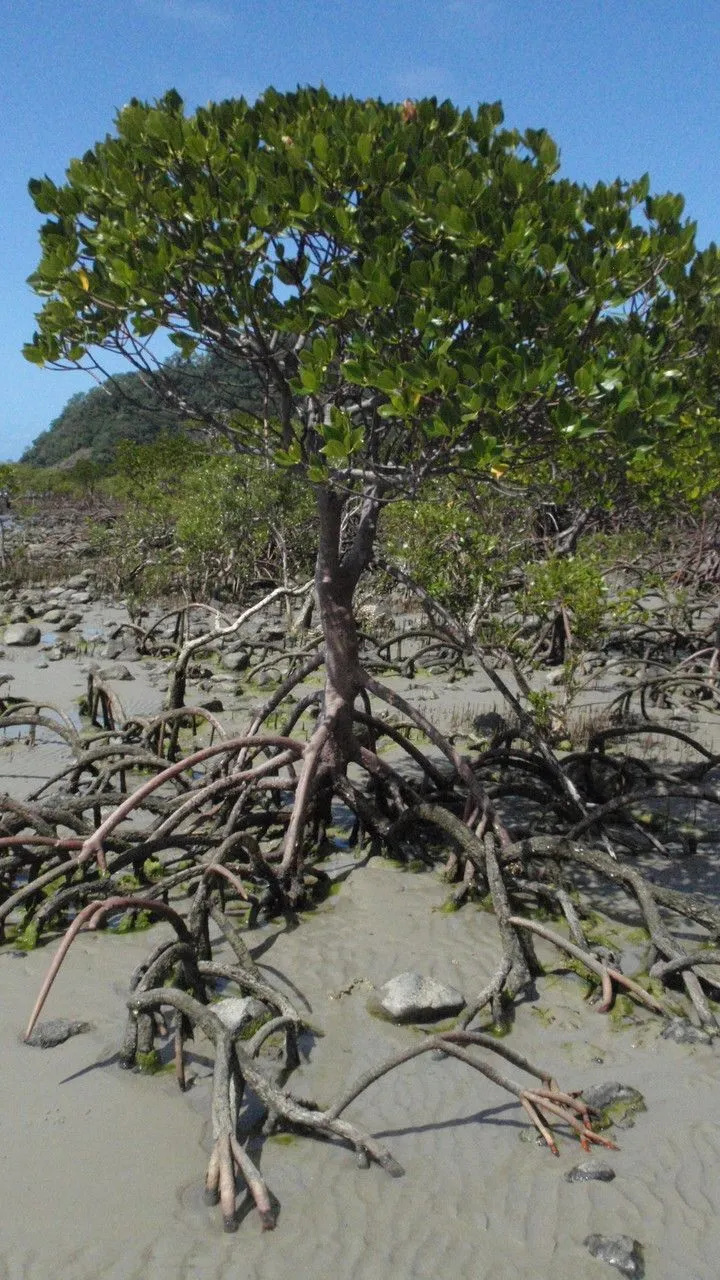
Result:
x=335 y=584
x=333 y=745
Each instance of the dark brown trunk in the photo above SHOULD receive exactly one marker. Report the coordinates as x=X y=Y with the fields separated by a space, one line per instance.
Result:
x=335 y=586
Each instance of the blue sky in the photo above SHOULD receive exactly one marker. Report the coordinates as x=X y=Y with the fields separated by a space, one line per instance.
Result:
x=624 y=86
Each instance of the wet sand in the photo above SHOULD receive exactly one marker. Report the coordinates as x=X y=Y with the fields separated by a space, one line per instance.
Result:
x=101 y=1170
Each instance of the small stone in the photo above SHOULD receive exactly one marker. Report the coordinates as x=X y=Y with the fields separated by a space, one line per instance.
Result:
x=616 y=1104
x=621 y=1252
x=590 y=1171
x=237 y=1011
x=53 y=615
x=81 y=597
x=682 y=1031
x=21 y=633
x=600 y=1096
x=490 y=725
x=46 y=1035
x=532 y=1137
x=411 y=997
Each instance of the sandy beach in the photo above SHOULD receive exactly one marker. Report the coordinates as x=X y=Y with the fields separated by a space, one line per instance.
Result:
x=101 y=1170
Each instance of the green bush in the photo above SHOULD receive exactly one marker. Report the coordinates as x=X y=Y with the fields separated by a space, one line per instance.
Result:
x=200 y=523
x=456 y=544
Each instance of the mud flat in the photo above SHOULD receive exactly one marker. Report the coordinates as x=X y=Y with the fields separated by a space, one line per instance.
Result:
x=101 y=1169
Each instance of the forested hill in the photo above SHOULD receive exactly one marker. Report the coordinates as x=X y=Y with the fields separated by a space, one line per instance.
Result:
x=133 y=407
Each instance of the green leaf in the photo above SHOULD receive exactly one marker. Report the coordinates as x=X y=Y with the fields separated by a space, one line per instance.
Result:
x=386 y=380
x=565 y=416
x=547 y=151
x=310 y=379
x=335 y=450
x=629 y=401
x=186 y=345
x=309 y=201
x=33 y=353
x=288 y=457
x=260 y=214
x=320 y=147
x=506 y=399
x=353 y=371
x=585 y=379
x=44 y=194
x=364 y=146
x=546 y=256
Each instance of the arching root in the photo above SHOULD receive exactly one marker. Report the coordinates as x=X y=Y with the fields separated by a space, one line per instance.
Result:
x=236 y=1069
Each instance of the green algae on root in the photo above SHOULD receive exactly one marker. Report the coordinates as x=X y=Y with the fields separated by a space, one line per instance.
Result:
x=149 y=1063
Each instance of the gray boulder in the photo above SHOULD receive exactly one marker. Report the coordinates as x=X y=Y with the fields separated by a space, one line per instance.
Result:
x=115 y=671
x=213 y=705
x=236 y=661
x=411 y=997
x=21 y=633
x=69 y=621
